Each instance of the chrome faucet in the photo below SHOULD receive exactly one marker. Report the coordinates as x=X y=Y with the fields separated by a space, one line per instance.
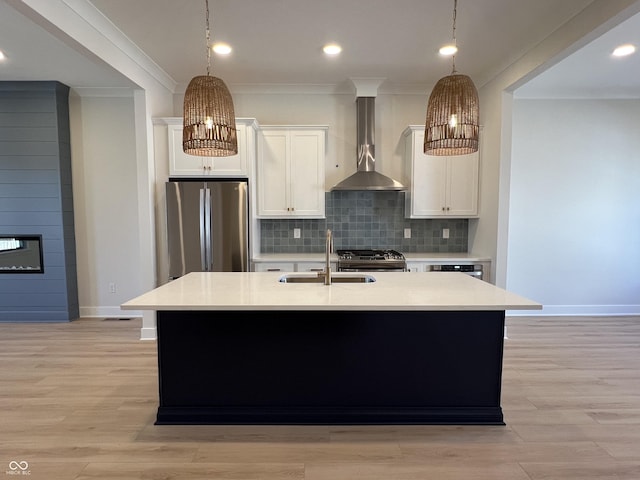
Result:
x=328 y=250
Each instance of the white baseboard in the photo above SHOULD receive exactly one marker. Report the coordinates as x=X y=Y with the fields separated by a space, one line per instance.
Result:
x=148 y=330
x=578 y=310
x=148 y=333
x=97 y=312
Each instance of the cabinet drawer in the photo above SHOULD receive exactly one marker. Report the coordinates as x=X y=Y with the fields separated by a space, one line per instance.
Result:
x=273 y=267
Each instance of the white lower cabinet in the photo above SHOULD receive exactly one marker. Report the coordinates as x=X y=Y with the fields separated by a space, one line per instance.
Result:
x=416 y=266
x=273 y=267
x=290 y=172
x=310 y=267
x=184 y=165
x=440 y=186
x=291 y=266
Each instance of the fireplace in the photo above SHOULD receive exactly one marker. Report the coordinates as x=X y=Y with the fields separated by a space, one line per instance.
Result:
x=21 y=254
x=38 y=271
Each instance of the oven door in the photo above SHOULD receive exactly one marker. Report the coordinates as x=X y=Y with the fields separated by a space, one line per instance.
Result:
x=471 y=270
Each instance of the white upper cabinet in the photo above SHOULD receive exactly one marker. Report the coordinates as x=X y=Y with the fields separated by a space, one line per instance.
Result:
x=440 y=186
x=290 y=171
x=184 y=165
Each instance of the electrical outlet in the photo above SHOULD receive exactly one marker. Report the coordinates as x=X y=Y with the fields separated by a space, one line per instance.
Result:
x=296 y=233
x=112 y=287
x=445 y=233
x=407 y=233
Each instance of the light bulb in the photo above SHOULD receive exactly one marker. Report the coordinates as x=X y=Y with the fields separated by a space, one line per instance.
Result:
x=624 y=50
x=221 y=48
x=453 y=120
x=332 y=49
x=448 y=50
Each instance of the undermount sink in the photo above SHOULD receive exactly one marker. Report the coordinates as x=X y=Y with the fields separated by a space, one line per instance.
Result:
x=335 y=278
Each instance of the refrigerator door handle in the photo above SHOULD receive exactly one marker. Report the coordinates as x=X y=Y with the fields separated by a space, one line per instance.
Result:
x=207 y=231
x=203 y=253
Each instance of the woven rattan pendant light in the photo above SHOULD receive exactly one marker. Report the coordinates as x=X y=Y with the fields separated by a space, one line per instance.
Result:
x=452 y=125
x=209 y=121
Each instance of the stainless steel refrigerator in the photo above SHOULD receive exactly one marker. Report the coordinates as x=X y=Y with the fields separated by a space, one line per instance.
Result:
x=208 y=226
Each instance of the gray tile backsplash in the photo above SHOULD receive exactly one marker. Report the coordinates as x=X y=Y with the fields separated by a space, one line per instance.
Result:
x=364 y=220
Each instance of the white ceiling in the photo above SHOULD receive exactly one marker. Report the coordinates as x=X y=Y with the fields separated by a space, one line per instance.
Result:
x=280 y=41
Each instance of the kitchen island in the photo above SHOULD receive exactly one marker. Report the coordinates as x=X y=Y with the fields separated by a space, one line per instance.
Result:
x=409 y=348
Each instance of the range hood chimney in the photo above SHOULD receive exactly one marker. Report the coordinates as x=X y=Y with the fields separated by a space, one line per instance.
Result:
x=366 y=177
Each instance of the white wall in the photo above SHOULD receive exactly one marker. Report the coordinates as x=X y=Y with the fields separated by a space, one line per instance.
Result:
x=103 y=154
x=489 y=235
x=574 y=221
x=151 y=95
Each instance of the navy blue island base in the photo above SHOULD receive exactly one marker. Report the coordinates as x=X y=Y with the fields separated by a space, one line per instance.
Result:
x=330 y=367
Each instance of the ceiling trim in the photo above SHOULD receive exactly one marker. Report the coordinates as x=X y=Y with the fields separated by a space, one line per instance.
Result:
x=112 y=92
x=81 y=21
x=344 y=88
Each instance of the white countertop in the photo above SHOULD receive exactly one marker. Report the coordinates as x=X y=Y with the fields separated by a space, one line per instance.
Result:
x=390 y=291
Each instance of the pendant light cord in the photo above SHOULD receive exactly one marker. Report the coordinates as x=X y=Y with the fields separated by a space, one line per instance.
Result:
x=208 y=40
x=455 y=43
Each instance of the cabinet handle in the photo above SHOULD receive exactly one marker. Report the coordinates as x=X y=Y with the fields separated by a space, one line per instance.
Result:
x=273 y=269
x=443 y=209
x=316 y=269
x=447 y=209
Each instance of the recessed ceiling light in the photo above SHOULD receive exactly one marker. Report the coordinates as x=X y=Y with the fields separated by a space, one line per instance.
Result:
x=624 y=50
x=221 y=48
x=448 y=50
x=332 y=49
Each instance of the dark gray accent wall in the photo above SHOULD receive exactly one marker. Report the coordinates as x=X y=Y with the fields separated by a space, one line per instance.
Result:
x=36 y=198
x=364 y=220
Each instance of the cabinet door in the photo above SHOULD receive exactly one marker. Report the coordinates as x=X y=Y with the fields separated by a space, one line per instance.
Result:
x=307 y=172
x=234 y=165
x=183 y=164
x=429 y=194
x=416 y=267
x=462 y=185
x=291 y=172
x=311 y=267
x=440 y=186
x=273 y=173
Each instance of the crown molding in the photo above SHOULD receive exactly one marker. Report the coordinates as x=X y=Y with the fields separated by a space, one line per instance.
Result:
x=90 y=28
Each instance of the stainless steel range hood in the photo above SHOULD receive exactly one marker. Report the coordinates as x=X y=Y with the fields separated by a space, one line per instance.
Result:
x=366 y=177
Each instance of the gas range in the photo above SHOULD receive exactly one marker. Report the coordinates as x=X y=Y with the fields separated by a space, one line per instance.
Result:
x=353 y=260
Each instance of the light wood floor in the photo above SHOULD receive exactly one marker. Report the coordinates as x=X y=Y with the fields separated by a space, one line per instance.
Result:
x=77 y=401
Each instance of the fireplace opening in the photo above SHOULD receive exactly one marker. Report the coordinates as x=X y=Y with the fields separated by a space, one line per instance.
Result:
x=21 y=254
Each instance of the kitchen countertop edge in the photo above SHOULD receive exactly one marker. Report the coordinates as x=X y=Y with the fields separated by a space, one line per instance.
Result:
x=391 y=291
